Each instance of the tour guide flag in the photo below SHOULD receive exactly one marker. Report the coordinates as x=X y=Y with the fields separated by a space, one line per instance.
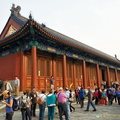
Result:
x=71 y=85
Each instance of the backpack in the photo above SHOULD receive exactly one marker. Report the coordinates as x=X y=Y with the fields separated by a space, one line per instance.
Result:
x=15 y=105
x=40 y=102
x=24 y=103
x=103 y=94
x=76 y=92
x=109 y=92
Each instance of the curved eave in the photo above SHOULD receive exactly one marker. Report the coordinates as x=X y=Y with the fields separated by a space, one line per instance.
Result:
x=74 y=43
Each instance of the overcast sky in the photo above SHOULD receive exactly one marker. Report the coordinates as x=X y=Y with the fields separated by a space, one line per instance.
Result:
x=92 y=22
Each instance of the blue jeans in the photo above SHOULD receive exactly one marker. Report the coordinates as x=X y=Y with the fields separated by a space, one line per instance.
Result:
x=88 y=105
x=33 y=108
x=68 y=109
x=26 y=114
x=110 y=99
x=41 y=111
x=63 y=109
x=51 y=112
x=9 y=116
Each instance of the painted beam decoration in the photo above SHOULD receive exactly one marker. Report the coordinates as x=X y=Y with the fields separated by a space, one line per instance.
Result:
x=29 y=36
x=5 y=53
x=50 y=49
x=15 y=49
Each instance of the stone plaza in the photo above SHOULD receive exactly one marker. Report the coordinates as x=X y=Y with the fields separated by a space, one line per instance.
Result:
x=103 y=113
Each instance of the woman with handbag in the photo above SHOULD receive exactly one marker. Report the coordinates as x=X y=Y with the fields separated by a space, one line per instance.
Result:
x=42 y=104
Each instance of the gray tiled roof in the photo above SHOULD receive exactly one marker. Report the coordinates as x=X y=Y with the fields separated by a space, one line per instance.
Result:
x=77 y=43
x=20 y=20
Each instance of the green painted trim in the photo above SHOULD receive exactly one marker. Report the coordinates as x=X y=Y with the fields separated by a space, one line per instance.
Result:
x=33 y=43
x=15 y=49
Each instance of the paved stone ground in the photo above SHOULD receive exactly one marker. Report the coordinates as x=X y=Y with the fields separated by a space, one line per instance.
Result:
x=103 y=113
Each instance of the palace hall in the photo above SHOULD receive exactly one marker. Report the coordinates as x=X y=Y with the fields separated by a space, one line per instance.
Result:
x=34 y=53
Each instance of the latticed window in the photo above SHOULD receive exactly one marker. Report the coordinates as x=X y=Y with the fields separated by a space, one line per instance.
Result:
x=112 y=75
x=42 y=65
x=29 y=65
x=48 y=67
x=92 y=70
x=77 y=71
x=58 y=69
x=69 y=70
x=118 y=75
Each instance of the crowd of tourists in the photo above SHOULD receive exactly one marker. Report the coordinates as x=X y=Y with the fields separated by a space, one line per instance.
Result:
x=59 y=101
x=107 y=96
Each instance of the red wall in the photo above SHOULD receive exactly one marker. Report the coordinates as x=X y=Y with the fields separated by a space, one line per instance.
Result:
x=10 y=67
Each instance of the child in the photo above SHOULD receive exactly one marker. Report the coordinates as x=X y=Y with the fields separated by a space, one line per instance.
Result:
x=104 y=101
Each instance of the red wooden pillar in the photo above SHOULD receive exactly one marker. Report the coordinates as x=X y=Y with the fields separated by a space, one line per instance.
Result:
x=22 y=71
x=65 y=83
x=116 y=75
x=98 y=75
x=74 y=75
x=34 y=68
x=88 y=75
x=108 y=76
x=54 y=71
x=84 y=74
